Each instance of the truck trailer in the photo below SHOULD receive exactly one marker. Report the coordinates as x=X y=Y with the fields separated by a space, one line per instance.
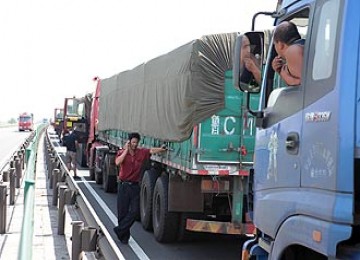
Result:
x=306 y=183
x=185 y=100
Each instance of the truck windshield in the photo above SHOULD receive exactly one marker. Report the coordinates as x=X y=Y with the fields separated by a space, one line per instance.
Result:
x=59 y=114
x=25 y=119
x=75 y=107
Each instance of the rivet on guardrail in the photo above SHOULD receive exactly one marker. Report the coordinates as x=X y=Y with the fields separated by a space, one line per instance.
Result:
x=76 y=251
x=3 y=206
x=89 y=239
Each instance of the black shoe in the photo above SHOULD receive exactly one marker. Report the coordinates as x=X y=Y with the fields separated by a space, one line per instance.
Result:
x=122 y=237
x=76 y=177
x=124 y=241
x=117 y=232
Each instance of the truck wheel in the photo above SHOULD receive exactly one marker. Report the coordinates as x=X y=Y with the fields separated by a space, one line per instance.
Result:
x=108 y=176
x=98 y=176
x=146 y=197
x=92 y=166
x=183 y=234
x=165 y=223
x=83 y=160
x=92 y=173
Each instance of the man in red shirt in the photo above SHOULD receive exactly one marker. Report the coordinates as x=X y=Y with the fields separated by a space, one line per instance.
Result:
x=130 y=159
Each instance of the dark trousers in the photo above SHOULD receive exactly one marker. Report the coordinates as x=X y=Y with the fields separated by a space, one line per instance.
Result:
x=128 y=204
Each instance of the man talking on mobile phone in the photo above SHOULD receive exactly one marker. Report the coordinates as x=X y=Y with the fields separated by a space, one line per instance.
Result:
x=290 y=47
x=130 y=159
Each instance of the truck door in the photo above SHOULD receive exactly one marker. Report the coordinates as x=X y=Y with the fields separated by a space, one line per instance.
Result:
x=320 y=128
x=278 y=144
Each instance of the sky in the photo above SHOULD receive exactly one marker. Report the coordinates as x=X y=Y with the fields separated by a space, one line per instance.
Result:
x=51 y=49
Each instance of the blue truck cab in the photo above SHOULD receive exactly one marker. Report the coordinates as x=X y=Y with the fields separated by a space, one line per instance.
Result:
x=306 y=179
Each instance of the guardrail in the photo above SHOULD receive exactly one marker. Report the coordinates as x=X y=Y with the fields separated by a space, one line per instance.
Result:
x=11 y=177
x=88 y=234
x=27 y=229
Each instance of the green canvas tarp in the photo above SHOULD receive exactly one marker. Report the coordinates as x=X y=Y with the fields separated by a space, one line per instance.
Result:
x=166 y=96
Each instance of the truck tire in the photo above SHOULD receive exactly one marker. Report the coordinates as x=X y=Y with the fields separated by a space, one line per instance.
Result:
x=92 y=173
x=146 y=197
x=83 y=160
x=98 y=176
x=109 y=181
x=165 y=223
x=183 y=234
x=92 y=165
x=81 y=156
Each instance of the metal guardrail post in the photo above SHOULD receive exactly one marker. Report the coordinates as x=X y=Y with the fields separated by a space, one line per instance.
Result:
x=5 y=176
x=12 y=163
x=63 y=176
x=48 y=158
x=13 y=159
x=3 y=208
x=88 y=239
x=50 y=167
x=76 y=252
x=22 y=158
x=69 y=197
x=18 y=172
x=55 y=163
x=12 y=186
x=61 y=211
x=55 y=180
x=47 y=153
x=51 y=180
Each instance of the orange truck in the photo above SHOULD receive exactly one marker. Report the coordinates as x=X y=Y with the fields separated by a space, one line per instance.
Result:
x=26 y=122
x=58 y=120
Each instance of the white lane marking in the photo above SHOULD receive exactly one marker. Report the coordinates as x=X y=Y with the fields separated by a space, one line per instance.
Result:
x=132 y=243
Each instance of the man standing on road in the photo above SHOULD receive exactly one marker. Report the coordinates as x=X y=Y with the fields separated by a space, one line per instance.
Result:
x=70 y=141
x=130 y=159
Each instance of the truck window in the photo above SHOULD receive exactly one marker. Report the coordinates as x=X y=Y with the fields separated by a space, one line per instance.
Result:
x=301 y=20
x=325 y=41
x=323 y=50
x=289 y=101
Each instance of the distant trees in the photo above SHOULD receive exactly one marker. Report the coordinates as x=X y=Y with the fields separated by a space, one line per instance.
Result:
x=12 y=121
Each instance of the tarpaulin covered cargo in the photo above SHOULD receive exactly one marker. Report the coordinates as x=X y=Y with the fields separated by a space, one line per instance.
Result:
x=166 y=96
